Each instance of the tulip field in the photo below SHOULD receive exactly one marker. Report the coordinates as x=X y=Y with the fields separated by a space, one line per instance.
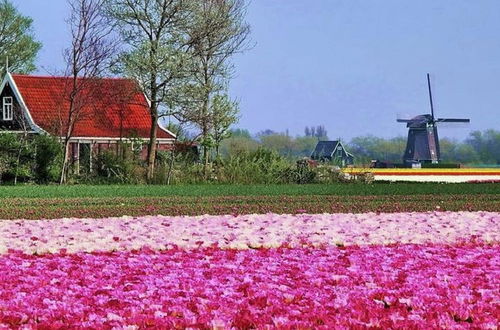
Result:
x=258 y=262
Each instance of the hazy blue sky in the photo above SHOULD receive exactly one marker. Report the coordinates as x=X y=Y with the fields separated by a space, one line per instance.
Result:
x=351 y=65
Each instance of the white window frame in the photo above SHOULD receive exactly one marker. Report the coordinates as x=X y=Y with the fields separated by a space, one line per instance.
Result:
x=8 y=108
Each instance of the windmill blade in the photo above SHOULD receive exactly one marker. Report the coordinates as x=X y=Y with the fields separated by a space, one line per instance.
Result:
x=430 y=95
x=453 y=120
x=404 y=120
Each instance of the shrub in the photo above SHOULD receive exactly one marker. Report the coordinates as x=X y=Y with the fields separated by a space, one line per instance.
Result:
x=48 y=158
x=301 y=174
x=329 y=174
x=259 y=166
x=17 y=157
x=363 y=177
x=188 y=173
x=162 y=166
x=4 y=165
x=117 y=168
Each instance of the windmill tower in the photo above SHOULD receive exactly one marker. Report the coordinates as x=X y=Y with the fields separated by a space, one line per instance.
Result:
x=422 y=145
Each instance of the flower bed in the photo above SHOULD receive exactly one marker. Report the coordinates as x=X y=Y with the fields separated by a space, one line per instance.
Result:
x=449 y=175
x=400 y=286
x=246 y=231
x=398 y=270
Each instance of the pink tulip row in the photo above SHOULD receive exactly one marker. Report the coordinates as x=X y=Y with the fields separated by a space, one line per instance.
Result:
x=247 y=231
x=397 y=286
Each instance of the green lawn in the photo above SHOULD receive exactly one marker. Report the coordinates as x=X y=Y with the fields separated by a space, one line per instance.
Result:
x=378 y=189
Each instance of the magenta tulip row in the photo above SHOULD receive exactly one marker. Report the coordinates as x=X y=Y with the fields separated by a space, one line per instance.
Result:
x=397 y=286
x=247 y=231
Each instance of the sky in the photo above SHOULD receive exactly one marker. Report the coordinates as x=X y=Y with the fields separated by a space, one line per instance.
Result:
x=353 y=66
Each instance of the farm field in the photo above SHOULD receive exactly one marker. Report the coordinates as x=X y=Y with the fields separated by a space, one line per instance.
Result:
x=340 y=256
x=98 y=207
x=77 y=191
x=52 y=202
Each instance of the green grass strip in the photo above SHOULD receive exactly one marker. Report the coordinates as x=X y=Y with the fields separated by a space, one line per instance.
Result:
x=245 y=190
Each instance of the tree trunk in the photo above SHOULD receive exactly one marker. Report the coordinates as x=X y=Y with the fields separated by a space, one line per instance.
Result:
x=152 y=148
x=69 y=130
x=171 y=165
x=65 y=166
x=205 y=151
x=205 y=132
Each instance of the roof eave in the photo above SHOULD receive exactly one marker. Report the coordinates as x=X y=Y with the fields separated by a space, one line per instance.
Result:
x=9 y=79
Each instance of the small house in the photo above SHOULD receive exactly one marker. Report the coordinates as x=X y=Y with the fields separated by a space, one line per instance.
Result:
x=117 y=112
x=332 y=151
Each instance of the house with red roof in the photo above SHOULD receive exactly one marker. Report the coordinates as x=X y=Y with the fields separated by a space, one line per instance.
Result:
x=117 y=111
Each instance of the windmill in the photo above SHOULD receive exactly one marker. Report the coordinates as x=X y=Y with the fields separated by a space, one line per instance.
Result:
x=422 y=145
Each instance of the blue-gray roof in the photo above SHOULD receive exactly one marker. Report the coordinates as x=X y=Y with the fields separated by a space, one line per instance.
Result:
x=325 y=148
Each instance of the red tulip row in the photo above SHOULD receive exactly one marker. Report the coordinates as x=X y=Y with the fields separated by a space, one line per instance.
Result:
x=397 y=286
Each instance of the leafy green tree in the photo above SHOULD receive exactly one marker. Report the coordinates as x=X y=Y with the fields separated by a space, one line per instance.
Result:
x=281 y=143
x=179 y=130
x=237 y=144
x=155 y=56
x=465 y=153
x=217 y=31
x=447 y=148
x=453 y=151
x=487 y=145
x=266 y=132
x=304 y=146
x=238 y=132
x=366 y=148
x=17 y=40
x=224 y=113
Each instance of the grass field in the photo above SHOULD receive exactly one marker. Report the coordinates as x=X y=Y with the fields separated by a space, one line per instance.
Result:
x=51 y=202
x=79 y=191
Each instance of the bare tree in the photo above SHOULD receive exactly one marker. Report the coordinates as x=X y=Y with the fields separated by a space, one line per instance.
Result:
x=87 y=59
x=154 y=31
x=217 y=32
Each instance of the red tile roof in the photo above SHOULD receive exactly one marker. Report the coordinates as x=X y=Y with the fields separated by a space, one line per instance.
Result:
x=112 y=108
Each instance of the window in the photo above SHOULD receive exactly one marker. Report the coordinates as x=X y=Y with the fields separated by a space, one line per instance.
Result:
x=7 y=108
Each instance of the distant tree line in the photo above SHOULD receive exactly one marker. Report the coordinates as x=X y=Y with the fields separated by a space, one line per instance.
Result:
x=241 y=140
x=319 y=132
x=478 y=148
